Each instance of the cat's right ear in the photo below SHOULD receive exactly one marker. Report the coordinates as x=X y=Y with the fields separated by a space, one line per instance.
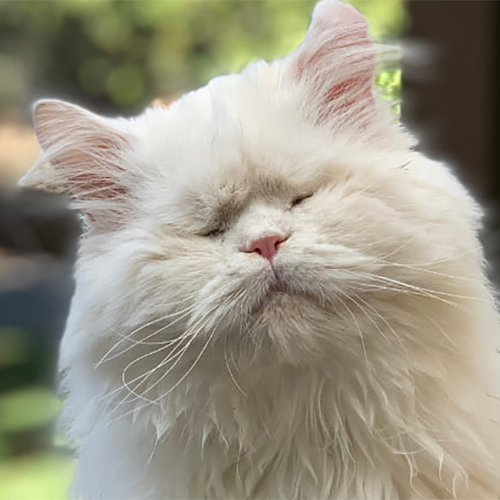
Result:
x=88 y=154
x=336 y=64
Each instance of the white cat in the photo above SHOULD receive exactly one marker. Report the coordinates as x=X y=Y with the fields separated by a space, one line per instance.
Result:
x=276 y=296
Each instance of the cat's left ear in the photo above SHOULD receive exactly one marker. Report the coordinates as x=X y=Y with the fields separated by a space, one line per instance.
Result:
x=336 y=63
x=88 y=154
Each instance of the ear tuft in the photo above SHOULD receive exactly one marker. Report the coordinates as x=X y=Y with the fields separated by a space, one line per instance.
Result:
x=336 y=63
x=334 y=13
x=88 y=153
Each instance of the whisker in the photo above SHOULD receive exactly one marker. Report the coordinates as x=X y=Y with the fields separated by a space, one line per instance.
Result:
x=165 y=345
x=184 y=312
x=435 y=294
x=195 y=362
x=361 y=335
x=389 y=326
x=191 y=333
x=136 y=409
x=430 y=271
x=230 y=372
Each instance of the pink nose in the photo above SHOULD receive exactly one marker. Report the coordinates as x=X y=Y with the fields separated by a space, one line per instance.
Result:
x=267 y=246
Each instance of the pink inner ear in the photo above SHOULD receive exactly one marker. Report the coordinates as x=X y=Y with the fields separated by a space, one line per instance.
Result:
x=88 y=153
x=83 y=148
x=338 y=58
x=93 y=182
x=362 y=80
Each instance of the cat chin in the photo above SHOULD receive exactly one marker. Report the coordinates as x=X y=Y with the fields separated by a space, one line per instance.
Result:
x=277 y=302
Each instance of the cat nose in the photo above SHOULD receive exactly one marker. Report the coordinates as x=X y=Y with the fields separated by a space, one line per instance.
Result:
x=267 y=246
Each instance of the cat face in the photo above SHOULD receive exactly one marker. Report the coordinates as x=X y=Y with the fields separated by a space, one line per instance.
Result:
x=279 y=212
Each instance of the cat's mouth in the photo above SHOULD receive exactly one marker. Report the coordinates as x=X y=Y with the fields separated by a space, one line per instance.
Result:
x=278 y=292
x=276 y=283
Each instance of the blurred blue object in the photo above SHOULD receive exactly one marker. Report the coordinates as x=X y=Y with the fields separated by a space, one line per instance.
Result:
x=38 y=236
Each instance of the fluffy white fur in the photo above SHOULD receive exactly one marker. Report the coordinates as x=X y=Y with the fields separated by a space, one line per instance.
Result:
x=366 y=370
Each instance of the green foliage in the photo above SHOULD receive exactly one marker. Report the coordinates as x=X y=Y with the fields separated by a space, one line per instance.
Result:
x=16 y=409
x=44 y=476
x=119 y=55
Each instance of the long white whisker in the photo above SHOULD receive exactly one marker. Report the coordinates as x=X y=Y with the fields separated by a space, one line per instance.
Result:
x=389 y=326
x=191 y=334
x=179 y=381
x=184 y=313
x=361 y=335
x=435 y=294
x=207 y=343
x=230 y=372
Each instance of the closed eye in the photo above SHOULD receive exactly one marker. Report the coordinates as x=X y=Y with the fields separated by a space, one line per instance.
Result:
x=299 y=199
x=213 y=232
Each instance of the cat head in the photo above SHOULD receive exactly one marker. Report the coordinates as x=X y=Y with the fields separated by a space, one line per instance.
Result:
x=270 y=212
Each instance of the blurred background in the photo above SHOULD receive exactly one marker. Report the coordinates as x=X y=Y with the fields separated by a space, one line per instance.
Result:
x=116 y=57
